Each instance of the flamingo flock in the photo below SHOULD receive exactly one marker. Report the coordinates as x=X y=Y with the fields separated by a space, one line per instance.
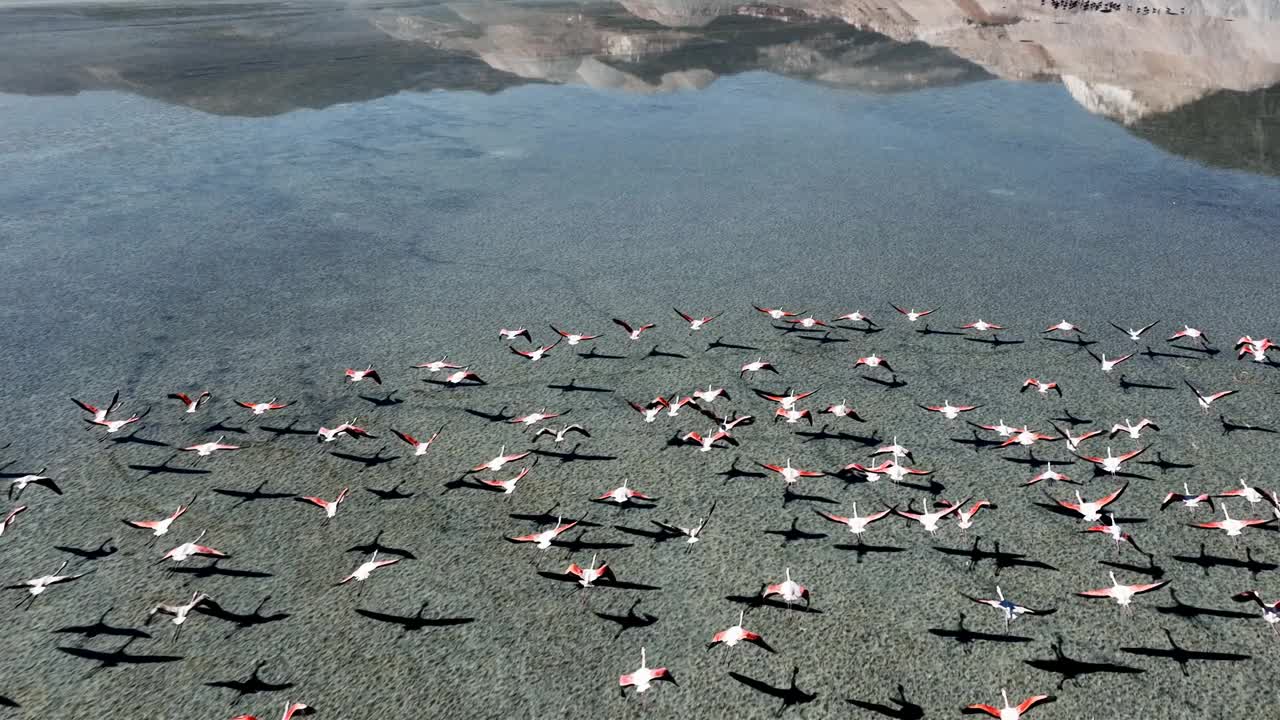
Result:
x=1088 y=480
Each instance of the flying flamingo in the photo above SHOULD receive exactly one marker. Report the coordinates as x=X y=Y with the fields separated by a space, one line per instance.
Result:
x=1230 y=525
x=633 y=332
x=736 y=634
x=290 y=710
x=191 y=404
x=789 y=590
x=507 y=486
x=160 y=527
x=365 y=569
x=179 y=612
x=8 y=519
x=1010 y=712
x=545 y=538
x=208 y=448
x=420 y=447
x=929 y=520
x=1122 y=594
x=1270 y=610
x=1092 y=509
x=330 y=507
x=499 y=461
x=857 y=524
x=35 y=587
x=261 y=408
x=643 y=677
x=1009 y=609
x=193 y=549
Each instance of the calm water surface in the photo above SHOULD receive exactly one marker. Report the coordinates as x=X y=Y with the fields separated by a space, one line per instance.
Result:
x=280 y=189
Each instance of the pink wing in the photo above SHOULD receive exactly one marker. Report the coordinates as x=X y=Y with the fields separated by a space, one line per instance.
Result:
x=1100 y=592
x=1031 y=702
x=1111 y=498
x=993 y=712
x=147 y=524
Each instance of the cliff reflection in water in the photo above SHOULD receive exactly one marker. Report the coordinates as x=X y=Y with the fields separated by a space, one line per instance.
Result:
x=1201 y=83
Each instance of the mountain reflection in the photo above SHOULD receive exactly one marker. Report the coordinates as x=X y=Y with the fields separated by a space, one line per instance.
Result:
x=1197 y=77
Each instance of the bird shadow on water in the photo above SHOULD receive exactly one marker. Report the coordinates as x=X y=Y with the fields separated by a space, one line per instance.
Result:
x=655 y=352
x=573 y=386
x=966 y=637
x=790 y=694
x=1164 y=466
x=215 y=569
x=1151 y=570
x=500 y=416
x=1229 y=427
x=548 y=517
x=719 y=343
x=221 y=426
x=392 y=493
x=573 y=456
x=284 y=430
x=795 y=534
x=901 y=709
x=251 y=685
x=165 y=468
x=247 y=496
x=1206 y=562
x=578 y=544
x=100 y=628
x=734 y=472
x=759 y=600
x=978 y=442
x=106 y=549
x=368 y=461
x=995 y=341
x=375 y=545
x=822 y=434
x=389 y=401
x=1182 y=655
x=1193 y=613
x=1068 y=668
x=415 y=622
x=1002 y=560
x=789 y=496
x=594 y=354
x=893 y=383
x=863 y=549
x=119 y=657
x=1126 y=385
x=630 y=619
x=242 y=621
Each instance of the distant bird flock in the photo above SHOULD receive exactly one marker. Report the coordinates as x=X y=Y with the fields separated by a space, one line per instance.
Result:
x=1228 y=506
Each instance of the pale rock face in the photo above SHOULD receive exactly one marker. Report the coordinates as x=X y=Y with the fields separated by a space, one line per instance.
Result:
x=1101 y=99
x=680 y=13
x=1122 y=65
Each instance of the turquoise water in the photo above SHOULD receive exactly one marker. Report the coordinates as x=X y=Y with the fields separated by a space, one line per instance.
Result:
x=151 y=245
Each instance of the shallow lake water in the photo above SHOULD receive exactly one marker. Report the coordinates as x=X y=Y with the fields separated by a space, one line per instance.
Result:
x=252 y=197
